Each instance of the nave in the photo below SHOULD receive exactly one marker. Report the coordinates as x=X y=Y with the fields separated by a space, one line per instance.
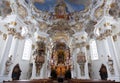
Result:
x=69 y=41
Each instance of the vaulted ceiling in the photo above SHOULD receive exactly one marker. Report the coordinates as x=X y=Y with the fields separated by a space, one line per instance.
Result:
x=58 y=20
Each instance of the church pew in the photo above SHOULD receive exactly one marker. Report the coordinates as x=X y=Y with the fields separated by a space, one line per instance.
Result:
x=89 y=81
x=69 y=81
x=30 y=81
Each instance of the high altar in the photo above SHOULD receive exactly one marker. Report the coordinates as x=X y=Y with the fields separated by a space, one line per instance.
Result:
x=60 y=59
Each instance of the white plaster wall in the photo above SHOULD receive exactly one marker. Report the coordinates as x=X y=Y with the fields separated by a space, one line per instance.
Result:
x=96 y=64
x=24 y=65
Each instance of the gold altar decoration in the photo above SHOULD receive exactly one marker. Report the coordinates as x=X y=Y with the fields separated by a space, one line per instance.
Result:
x=61 y=69
x=60 y=59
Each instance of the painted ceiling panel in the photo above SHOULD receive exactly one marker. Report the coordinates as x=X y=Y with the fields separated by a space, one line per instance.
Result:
x=47 y=5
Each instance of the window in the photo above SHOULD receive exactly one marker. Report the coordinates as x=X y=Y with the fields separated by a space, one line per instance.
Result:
x=93 y=50
x=27 y=49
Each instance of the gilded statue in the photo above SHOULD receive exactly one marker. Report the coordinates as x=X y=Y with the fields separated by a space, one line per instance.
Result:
x=39 y=60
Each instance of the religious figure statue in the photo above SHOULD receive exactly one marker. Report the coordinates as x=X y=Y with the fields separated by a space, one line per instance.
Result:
x=16 y=72
x=39 y=60
x=8 y=65
x=81 y=61
x=110 y=65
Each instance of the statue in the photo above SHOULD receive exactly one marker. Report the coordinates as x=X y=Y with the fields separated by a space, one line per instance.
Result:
x=81 y=61
x=8 y=65
x=39 y=60
x=110 y=65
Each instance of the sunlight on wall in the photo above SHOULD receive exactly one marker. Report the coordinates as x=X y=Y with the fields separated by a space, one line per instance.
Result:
x=27 y=49
x=93 y=50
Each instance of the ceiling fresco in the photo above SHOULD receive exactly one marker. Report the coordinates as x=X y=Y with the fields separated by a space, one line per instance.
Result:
x=48 y=5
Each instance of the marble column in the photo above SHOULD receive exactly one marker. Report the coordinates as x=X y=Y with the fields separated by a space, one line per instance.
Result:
x=105 y=55
x=5 y=53
x=115 y=58
x=3 y=43
x=86 y=76
x=76 y=68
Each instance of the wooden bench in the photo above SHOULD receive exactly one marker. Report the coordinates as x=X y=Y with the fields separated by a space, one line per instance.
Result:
x=69 y=81
x=89 y=81
x=30 y=81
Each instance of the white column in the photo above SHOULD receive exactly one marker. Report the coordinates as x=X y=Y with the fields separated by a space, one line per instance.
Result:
x=13 y=51
x=86 y=64
x=2 y=46
x=115 y=58
x=117 y=47
x=5 y=53
x=76 y=68
x=13 y=48
x=107 y=52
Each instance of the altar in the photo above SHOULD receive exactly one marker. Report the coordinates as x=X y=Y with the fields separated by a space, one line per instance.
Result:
x=60 y=60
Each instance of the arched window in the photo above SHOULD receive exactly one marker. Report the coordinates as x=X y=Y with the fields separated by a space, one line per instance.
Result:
x=93 y=50
x=27 y=50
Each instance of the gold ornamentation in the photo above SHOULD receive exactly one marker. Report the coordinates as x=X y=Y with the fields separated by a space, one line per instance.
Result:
x=22 y=11
x=4 y=36
x=106 y=24
x=13 y=23
x=115 y=37
x=99 y=12
x=87 y=47
x=18 y=35
x=1 y=32
x=11 y=31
